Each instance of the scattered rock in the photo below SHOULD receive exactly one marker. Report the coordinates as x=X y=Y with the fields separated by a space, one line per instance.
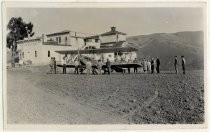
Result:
x=133 y=101
x=158 y=112
x=186 y=100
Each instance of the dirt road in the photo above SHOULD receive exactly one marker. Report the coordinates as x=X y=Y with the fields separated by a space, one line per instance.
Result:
x=28 y=103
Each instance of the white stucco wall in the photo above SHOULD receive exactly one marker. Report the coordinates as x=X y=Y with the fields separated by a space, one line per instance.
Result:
x=28 y=49
x=42 y=52
x=77 y=43
x=63 y=39
x=109 y=56
x=94 y=44
x=52 y=48
x=112 y=38
x=107 y=39
x=121 y=37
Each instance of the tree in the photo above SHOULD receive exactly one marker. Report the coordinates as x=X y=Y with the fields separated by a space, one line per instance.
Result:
x=18 y=30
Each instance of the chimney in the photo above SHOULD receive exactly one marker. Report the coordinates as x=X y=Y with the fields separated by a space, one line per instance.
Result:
x=113 y=28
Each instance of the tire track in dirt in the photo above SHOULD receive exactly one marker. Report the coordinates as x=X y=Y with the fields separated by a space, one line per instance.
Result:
x=145 y=104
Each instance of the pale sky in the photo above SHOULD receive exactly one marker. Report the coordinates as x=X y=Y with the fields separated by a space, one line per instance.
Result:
x=133 y=21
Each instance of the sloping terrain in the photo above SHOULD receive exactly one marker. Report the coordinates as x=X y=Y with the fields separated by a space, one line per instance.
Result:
x=34 y=97
x=168 y=45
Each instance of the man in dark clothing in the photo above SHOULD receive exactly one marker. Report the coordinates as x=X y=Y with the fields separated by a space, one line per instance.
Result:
x=152 y=65
x=64 y=65
x=51 y=65
x=108 y=65
x=55 y=66
x=129 y=70
x=76 y=64
x=175 y=64
x=183 y=64
x=157 y=65
x=135 y=67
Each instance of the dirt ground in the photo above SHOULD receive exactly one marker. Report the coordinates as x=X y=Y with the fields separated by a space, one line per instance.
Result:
x=35 y=97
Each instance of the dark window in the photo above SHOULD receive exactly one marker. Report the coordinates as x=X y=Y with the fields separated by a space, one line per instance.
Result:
x=96 y=40
x=35 y=53
x=88 y=40
x=65 y=55
x=59 y=39
x=90 y=47
x=23 y=54
x=20 y=55
x=66 y=40
x=48 y=54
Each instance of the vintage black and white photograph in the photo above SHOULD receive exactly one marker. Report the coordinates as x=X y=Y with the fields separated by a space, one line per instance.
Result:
x=104 y=65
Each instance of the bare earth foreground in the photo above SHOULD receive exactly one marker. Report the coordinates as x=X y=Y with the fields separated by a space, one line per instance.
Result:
x=34 y=97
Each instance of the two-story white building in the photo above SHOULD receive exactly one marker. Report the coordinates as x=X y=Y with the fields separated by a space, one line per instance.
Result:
x=40 y=50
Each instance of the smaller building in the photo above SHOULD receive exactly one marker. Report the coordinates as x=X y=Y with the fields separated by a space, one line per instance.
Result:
x=111 y=38
x=116 y=39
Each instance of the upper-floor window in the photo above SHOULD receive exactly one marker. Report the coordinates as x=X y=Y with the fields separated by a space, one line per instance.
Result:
x=48 y=53
x=22 y=54
x=88 y=40
x=90 y=47
x=66 y=40
x=59 y=39
x=35 y=53
x=96 y=40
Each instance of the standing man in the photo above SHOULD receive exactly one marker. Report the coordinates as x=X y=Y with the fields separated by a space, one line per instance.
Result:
x=148 y=66
x=135 y=67
x=144 y=65
x=89 y=67
x=183 y=64
x=157 y=65
x=152 y=65
x=175 y=64
x=51 y=65
x=129 y=70
x=64 y=65
x=55 y=66
x=108 y=65
x=76 y=64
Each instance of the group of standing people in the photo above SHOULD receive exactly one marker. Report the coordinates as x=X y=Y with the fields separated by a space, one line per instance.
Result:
x=95 y=68
x=151 y=65
x=183 y=62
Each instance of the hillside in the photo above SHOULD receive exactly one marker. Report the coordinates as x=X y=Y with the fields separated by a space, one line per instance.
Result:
x=167 y=45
